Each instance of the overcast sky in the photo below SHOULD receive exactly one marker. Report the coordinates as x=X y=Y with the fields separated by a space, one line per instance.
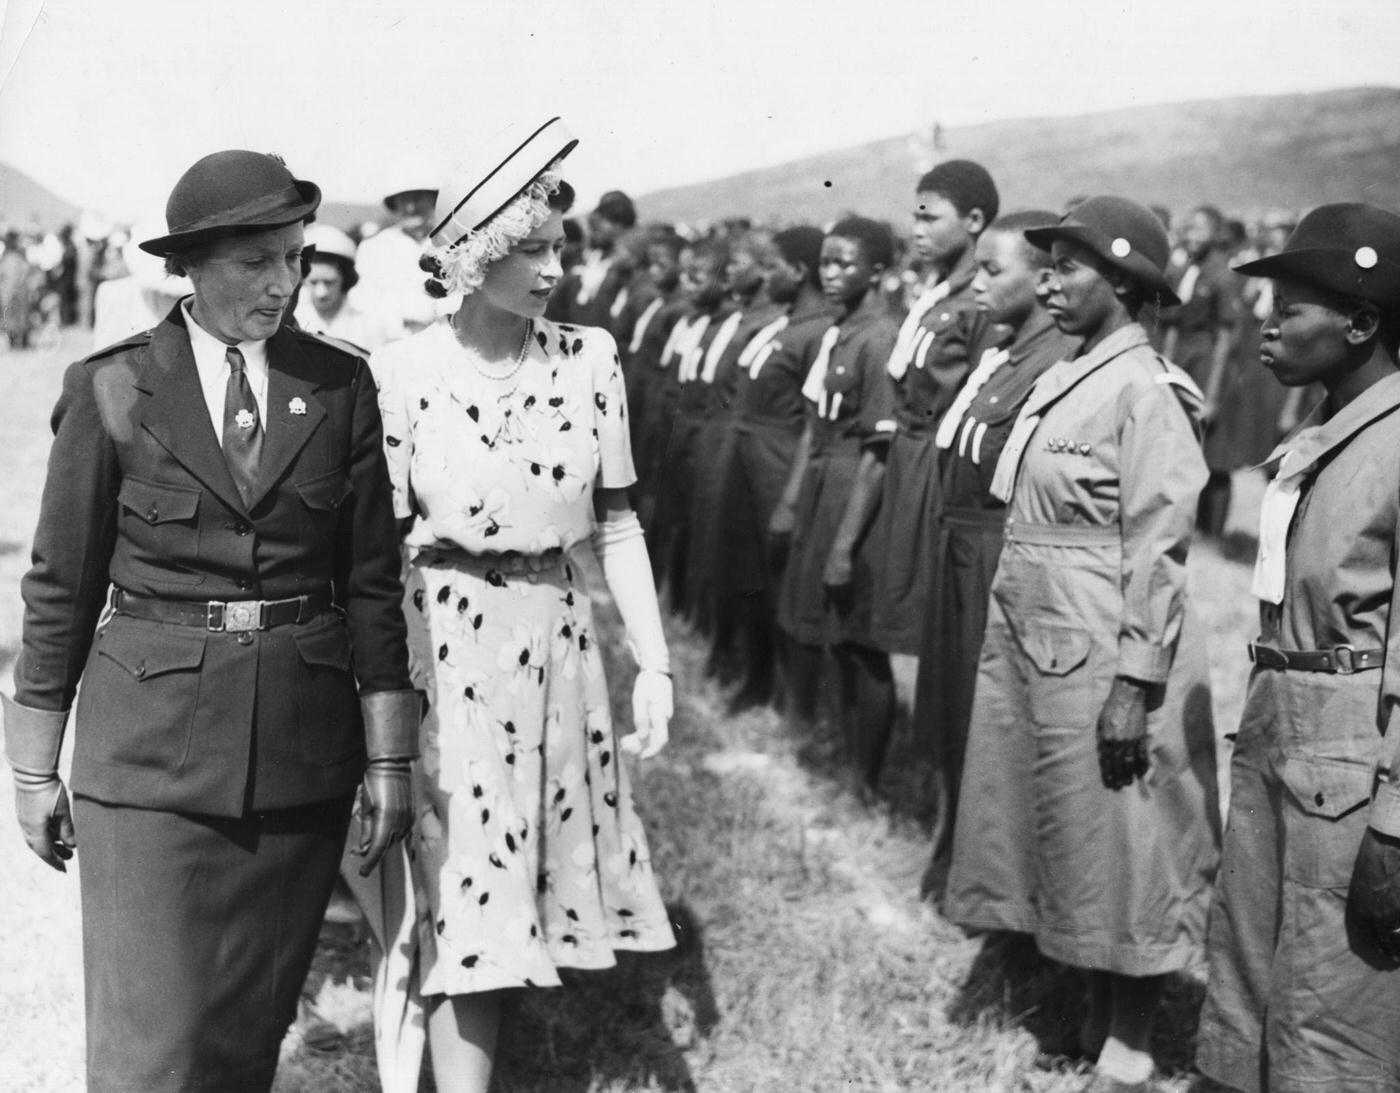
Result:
x=107 y=103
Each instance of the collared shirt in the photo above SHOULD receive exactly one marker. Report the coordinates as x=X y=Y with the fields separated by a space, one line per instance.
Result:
x=211 y=362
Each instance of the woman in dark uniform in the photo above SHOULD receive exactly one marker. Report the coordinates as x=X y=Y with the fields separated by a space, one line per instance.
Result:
x=826 y=592
x=1021 y=341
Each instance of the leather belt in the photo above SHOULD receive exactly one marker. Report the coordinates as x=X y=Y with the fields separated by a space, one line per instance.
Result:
x=1342 y=660
x=224 y=616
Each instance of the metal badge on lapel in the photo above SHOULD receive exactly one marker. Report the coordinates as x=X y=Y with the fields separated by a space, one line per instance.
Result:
x=244 y=419
x=297 y=406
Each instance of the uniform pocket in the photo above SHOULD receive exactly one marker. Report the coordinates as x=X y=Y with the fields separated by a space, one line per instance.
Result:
x=162 y=524
x=322 y=498
x=1325 y=817
x=1060 y=693
x=328 y=709
x=140 y=692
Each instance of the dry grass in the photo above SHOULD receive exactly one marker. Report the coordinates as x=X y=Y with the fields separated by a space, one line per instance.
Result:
x=806 y=960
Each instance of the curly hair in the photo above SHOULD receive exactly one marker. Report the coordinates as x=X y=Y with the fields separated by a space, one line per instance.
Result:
x=461 y=266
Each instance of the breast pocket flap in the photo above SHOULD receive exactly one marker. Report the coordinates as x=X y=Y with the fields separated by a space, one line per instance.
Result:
x=157 y=503
x=1055 y=649
x=1328 y=788
x=326 y=493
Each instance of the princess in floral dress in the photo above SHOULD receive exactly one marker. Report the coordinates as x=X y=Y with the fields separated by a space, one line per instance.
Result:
x=507 y=441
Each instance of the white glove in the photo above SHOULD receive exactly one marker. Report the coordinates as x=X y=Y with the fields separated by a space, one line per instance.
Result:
x=651 y=714
x=622 y=553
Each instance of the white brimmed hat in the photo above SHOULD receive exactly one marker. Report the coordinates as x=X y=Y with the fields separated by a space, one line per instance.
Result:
x=329 y=240
x=495 y=172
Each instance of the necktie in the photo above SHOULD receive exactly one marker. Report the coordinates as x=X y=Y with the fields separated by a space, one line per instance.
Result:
x=243 y=435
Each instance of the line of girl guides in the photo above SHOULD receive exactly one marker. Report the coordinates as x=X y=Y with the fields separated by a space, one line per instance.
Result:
x=1002 y=479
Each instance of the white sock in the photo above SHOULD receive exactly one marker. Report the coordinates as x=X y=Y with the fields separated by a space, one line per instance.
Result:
x=1118 y=1060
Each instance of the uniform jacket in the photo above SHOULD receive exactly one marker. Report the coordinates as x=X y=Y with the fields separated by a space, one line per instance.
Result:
x=138 y=496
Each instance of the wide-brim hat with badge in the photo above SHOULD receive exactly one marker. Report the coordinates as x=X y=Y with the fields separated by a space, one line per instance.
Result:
x=232 y=193
x=1351 y=249
x=493 y=174
x=1126 y=235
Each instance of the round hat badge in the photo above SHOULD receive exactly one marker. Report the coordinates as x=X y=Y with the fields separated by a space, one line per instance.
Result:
x=1120 y=247
x=1366 y=257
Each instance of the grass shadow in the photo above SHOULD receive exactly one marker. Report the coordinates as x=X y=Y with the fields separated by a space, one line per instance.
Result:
x=627 y=1027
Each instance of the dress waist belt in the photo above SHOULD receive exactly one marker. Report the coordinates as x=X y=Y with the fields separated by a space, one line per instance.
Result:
x=223 y=615
x=1081 y=535
x=510 y=562
x=1342 y=660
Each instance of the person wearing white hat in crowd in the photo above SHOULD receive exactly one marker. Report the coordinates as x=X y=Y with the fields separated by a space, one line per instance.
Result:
x=507 y=441
x=139 y=301
x=387 y=262
x=328 y=305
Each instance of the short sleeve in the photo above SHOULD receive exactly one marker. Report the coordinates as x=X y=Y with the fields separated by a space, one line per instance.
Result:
x=875 y=418
x=389 y=378
x=610 y=423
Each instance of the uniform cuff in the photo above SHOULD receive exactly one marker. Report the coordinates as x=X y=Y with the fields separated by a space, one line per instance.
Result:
x=1143 y=660
x=1385 y=810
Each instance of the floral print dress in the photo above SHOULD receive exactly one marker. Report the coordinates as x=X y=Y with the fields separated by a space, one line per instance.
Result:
x=527 y=855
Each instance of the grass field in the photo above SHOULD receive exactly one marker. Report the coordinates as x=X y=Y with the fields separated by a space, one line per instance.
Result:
x=806 y=963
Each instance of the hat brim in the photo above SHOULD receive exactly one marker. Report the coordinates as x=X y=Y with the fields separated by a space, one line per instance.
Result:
x=166 y=245
x=1334 y=270
x=1137 y=265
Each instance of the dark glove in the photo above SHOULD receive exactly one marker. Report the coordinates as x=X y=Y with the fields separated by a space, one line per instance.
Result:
x=1122 y=731
x=386 y=797
x=33 y=739
x=1374 y=900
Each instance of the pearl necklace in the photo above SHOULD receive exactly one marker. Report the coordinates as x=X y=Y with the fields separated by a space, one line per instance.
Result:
x=519 y=356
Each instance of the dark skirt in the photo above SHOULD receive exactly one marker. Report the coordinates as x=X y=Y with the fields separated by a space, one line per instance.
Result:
x=969 y=544
x=755 y=476
x=902 y=540
x=805 y=611
x=713 y=456
x=197 y=935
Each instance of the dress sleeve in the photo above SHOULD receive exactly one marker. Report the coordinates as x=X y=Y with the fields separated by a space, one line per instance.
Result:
x=1385 y=808
x=387 y=366
x=1161 y=472
x=610 y=420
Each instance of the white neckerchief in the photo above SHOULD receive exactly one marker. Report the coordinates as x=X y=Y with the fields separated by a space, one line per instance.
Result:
x=761 y=346
x=723 y=336
x=591 y=274
x=814 y=388
x=688 y=349
x=991 y=360
x=1187 y=288
x=1280 y=502
x=643 y=321
x=910 y=330
x=211 y=362
x=619 y=302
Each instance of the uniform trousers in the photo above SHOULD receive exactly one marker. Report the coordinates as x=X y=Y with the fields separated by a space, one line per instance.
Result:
x=198 y=932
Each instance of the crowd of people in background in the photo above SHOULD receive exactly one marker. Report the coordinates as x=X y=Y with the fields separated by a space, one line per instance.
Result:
x=985 y=443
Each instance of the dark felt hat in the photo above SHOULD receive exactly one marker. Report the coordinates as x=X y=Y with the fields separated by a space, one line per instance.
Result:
x=1126 y=235
x=1351 y=249
x=228 y=193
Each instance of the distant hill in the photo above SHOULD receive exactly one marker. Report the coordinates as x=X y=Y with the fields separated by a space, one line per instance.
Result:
x=1243 y=154
x=29 y=205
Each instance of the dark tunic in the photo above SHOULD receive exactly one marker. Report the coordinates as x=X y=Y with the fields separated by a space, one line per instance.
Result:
x=769 y=412
x=900 y=545
x=970 y=532
x=853 y=397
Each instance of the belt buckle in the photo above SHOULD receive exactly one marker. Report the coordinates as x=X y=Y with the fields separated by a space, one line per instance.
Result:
x=1266 y=656
x=1342 y=662
x=241 y=615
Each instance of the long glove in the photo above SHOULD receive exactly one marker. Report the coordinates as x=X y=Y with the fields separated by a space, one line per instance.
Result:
x=622 y=552
x=33 y=739
x=386 y=796
x=1374 y=900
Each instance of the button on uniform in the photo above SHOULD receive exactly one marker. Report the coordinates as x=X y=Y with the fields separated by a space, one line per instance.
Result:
x=245 y=637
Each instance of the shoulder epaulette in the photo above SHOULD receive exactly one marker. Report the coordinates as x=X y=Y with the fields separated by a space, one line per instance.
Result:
x=131 y=341
x=341 y=344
